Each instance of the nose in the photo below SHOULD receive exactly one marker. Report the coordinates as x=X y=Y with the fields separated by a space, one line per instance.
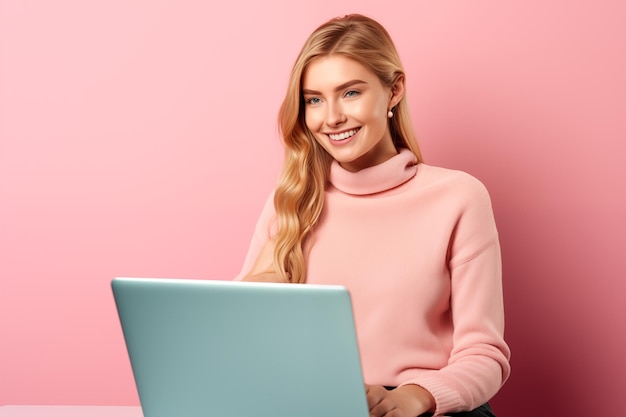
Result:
x=335 y=115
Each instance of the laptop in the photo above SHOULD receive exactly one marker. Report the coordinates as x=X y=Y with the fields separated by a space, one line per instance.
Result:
x=241 y=349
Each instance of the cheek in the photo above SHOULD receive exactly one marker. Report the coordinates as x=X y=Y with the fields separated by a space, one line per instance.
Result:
x=381 y=109
x=371 y=111
x=312 y=120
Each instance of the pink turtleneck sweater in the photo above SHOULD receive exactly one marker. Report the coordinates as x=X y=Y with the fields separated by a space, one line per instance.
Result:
x=417 y=247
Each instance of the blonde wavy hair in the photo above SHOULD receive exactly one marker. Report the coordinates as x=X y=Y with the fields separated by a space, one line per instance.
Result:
x=299 y=195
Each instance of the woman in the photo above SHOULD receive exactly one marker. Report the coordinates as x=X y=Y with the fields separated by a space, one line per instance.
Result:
x=416 y=245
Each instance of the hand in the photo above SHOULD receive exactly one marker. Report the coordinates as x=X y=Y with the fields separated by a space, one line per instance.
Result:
x=405 y=401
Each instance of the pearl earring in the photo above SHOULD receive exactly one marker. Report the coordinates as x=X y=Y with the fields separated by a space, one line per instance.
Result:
x=390 y=114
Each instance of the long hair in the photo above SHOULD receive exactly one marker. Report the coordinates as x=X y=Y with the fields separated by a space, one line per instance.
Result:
x=299 y=195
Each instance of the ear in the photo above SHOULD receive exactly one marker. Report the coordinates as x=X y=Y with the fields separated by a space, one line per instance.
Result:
x=397 y=91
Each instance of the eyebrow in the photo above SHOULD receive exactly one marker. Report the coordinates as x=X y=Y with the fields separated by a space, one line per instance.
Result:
x=338 y=88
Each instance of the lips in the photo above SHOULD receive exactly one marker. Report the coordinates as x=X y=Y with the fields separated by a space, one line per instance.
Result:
x=343 y=135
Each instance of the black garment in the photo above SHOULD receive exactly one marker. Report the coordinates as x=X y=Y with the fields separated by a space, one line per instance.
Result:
x=482 y=411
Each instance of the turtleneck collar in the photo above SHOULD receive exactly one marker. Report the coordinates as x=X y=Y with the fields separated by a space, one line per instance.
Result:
x=382 y=177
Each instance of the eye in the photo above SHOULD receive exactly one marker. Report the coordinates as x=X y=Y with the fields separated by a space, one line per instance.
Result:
x=313 y=100
x=352 y=93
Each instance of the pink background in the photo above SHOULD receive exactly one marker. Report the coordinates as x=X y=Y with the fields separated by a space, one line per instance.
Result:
x=138 y=138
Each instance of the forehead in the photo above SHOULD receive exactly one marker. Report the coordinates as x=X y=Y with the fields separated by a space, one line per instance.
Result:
x=330 y=71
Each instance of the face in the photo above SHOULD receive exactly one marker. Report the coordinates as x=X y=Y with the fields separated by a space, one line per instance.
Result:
x=346 y=108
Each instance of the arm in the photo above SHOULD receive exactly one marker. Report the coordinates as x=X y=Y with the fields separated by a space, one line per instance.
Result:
x=260 y=238
x=479 y=361
x=258 y=265
x=263 y=268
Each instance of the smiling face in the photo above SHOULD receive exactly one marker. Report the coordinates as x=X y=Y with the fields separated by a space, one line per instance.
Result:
x=346 y=108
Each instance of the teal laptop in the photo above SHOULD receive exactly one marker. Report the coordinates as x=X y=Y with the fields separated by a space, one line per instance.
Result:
x=239 y=349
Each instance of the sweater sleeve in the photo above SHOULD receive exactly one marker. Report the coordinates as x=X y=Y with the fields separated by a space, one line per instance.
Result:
x=479 y=361
x=263 y=231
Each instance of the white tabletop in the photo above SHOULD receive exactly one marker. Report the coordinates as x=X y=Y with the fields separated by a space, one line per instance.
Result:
x=68 y=411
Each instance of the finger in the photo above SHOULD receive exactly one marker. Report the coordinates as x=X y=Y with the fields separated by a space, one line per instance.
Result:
x=374 y=394
x=384 y=408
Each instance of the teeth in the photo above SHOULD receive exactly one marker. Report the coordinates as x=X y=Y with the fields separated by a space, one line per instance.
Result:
x=344 y=135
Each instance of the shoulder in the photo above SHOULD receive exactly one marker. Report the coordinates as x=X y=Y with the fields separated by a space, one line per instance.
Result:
x=466 y=201
x=459 y=183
